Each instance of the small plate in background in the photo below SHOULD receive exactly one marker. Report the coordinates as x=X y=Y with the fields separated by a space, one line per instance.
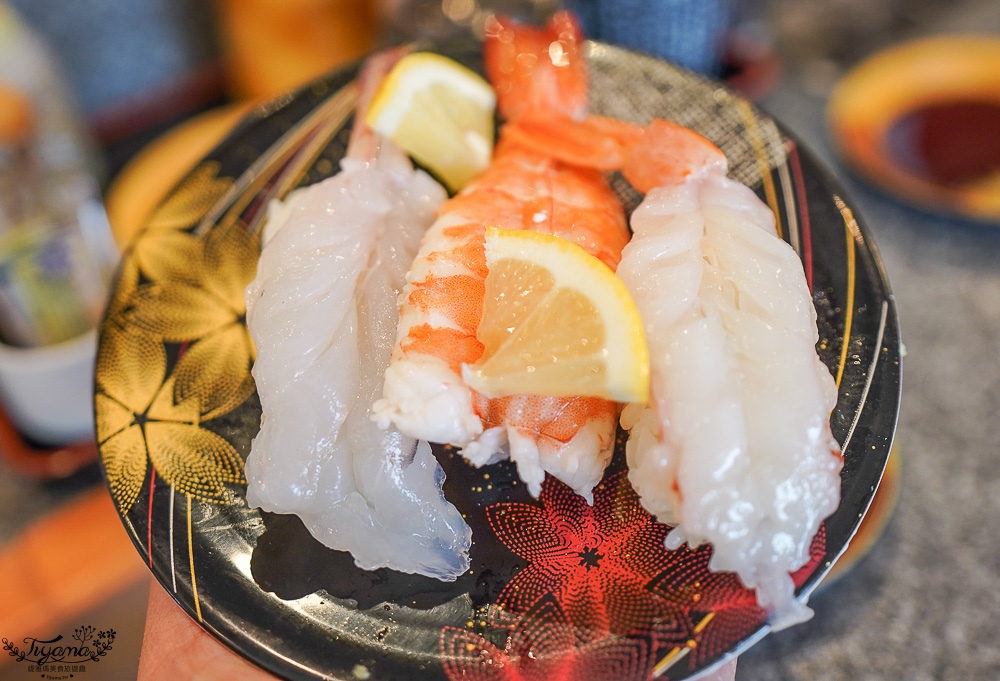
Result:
x=921 y=120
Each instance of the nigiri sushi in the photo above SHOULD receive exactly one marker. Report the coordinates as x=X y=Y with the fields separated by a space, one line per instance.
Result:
x=322 y=311
x=735 y=447
x=539 y=73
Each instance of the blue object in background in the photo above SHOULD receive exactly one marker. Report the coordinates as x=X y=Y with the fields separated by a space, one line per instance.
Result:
x=113 y=51
x=691 y=33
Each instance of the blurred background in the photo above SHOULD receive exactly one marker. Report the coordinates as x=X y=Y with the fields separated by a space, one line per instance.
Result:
x=104 y=105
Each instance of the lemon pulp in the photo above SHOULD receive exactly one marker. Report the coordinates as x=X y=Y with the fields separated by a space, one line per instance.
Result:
x=556 y=321
x=439 y=112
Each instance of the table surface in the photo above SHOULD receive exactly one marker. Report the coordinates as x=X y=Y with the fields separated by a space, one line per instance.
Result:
x=923 y=603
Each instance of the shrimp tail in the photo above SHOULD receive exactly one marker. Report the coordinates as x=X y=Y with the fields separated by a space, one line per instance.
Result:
x=537 y=70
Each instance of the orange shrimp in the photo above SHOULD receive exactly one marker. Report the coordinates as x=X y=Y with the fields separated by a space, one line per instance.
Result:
x=538 y=74
x=660 y=154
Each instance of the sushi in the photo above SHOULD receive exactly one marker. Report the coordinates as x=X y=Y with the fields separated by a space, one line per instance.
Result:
x=322 y=312
x=735 y=447
x=571 y=438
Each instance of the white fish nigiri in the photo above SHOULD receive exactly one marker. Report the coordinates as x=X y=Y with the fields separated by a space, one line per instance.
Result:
x=735 y=446
x=322 y=311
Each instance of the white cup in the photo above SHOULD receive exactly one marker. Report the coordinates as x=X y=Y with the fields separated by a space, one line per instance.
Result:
x=47 y=391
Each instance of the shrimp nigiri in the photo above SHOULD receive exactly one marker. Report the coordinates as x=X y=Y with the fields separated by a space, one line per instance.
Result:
x=322 y=312
x=735 y=447
x=537 y=73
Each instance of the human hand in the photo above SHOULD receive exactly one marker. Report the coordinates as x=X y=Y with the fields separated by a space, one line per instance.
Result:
x=175 y=648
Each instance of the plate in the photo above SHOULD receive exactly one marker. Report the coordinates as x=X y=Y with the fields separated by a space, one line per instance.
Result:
x=591 y=593
x=921 y=121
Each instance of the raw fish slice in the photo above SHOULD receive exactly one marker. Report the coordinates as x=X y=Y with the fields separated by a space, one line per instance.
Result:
x=735 y=448
x=323 y=312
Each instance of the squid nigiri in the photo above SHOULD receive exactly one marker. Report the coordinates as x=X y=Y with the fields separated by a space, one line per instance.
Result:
x=735 y=447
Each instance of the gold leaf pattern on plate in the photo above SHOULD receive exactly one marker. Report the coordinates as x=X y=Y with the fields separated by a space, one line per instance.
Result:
x=124 y=456
x=165 y=408
x=130 y=369
x=138 y=419
x=178 y=312
x=169 y=255
x=215 y=371
x=126 y=282
x=114 y=417
x=230 y=257
x=193 y=460
x=164 y=251
x=131 y=366
x=191 y=199
x=179 y=296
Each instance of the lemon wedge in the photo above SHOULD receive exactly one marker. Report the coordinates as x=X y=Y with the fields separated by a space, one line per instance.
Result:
x=439 y=112
x=556 y=321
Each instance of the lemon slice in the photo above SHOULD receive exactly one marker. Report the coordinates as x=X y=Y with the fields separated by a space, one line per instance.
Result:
x=556 y=321
x=439 y=112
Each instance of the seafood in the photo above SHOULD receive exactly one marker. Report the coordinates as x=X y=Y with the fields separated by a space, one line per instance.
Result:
x=538 y=74
x=735 y=446
x=322 y=312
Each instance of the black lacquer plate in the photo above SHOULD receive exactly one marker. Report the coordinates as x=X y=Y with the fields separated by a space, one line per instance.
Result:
x=590 y=593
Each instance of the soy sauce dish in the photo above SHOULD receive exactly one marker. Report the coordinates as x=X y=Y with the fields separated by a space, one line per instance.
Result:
x=921 y=120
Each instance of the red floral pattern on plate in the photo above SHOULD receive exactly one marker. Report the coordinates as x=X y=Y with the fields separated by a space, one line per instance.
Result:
x=544 y=645
x=595 y=560
x=601 y=597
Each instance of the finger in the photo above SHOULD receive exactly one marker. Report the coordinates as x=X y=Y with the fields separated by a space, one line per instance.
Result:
x=175 y=647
